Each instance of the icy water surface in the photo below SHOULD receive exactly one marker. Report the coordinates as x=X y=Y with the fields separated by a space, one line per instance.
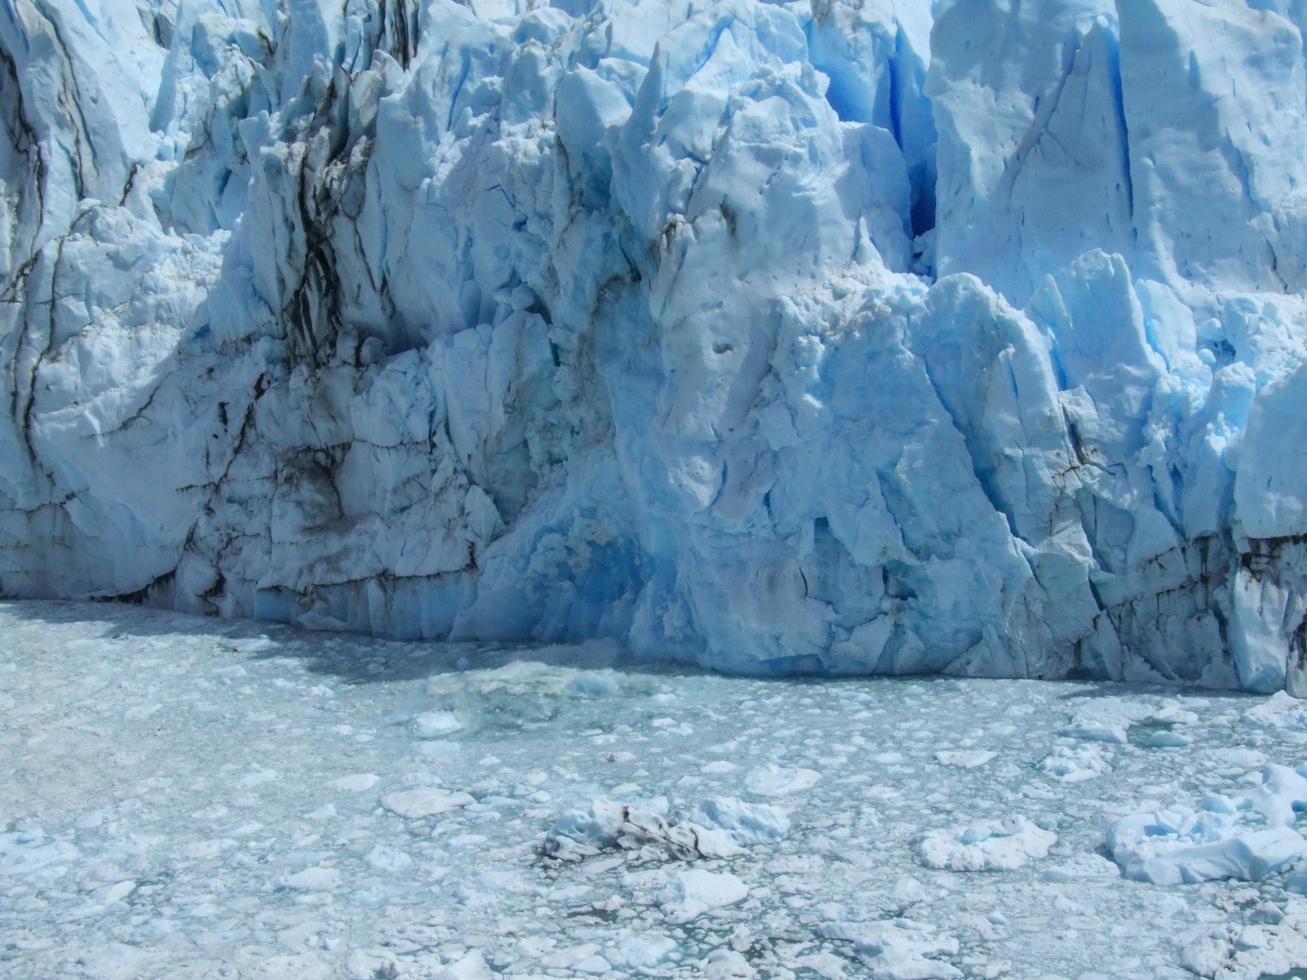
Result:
x=192 y=798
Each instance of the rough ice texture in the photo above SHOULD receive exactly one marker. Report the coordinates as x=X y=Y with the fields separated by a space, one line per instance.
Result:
x=992 y=846
x=816 y=337
x=1245 y=836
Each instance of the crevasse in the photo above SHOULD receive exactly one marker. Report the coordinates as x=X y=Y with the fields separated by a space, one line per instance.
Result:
x=823 y=337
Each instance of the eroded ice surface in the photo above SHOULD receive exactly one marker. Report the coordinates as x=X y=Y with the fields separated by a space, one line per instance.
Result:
x=185 y=797
x=841 y=336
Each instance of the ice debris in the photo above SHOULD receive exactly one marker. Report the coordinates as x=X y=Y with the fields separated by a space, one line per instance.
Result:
x=774 y=780
x=424 y=801
x=1248 y=836
x=718 y=827
x=692 y=893
x=991 y=845
x=31 y=850
x=899 y=949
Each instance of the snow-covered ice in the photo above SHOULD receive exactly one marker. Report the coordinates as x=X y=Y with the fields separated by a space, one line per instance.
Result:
x=899 y=950
x=774 y=780
x=197 y=797
x=692 y=893
x=965 y=759
x=1248 y=835
x=718 y=827
x=424 y=802
x=1001 y=845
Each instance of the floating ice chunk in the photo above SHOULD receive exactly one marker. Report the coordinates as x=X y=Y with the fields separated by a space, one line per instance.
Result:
x=1075 y=763
x=123 y=960
x=370 y=964
x=718 y=827
x=609 y=825
x=259 y=777
x=641 y=950
x=1175 y=847
x=1247 y=837
x=313 y=880
x=1108 y=719
x=389 y=859
x=898 y=949
x=258 y=644
x=1264 y=949
x=747 y=823
x=965 y=758
x=472 y=966
x=1081 y=866
x=1280 y=710
x=578 y=959
x=207 y=850
x=25 y=851
x=584 y=832
x=692 y=893
x=909 y=890
x=1167 y=740
x=115 y=892
x=825 y=965
x=774 y=780
x=994 y=845
x=436 y=724
x=593 y=684
x=1172 y=714
x=722 y=964
x=355 y=783
x=1237 y=758
x=436 y=750
x=1098 y=730
x=425 y=801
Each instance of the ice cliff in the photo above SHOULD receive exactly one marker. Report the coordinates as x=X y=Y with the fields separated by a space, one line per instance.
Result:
x=827 y=336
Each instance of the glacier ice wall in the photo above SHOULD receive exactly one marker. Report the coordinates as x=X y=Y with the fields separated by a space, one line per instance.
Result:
x=825 y=336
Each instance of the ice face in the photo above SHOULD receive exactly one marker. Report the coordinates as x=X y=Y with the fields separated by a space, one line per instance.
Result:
x=828 y=338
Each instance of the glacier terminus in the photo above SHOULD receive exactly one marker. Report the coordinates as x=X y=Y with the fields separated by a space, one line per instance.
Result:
x=825 y=336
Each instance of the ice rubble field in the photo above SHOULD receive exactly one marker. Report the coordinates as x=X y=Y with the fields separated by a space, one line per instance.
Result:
x=184 y=797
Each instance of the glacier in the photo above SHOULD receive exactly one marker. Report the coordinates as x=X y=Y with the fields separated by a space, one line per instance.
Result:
x=828 y=336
